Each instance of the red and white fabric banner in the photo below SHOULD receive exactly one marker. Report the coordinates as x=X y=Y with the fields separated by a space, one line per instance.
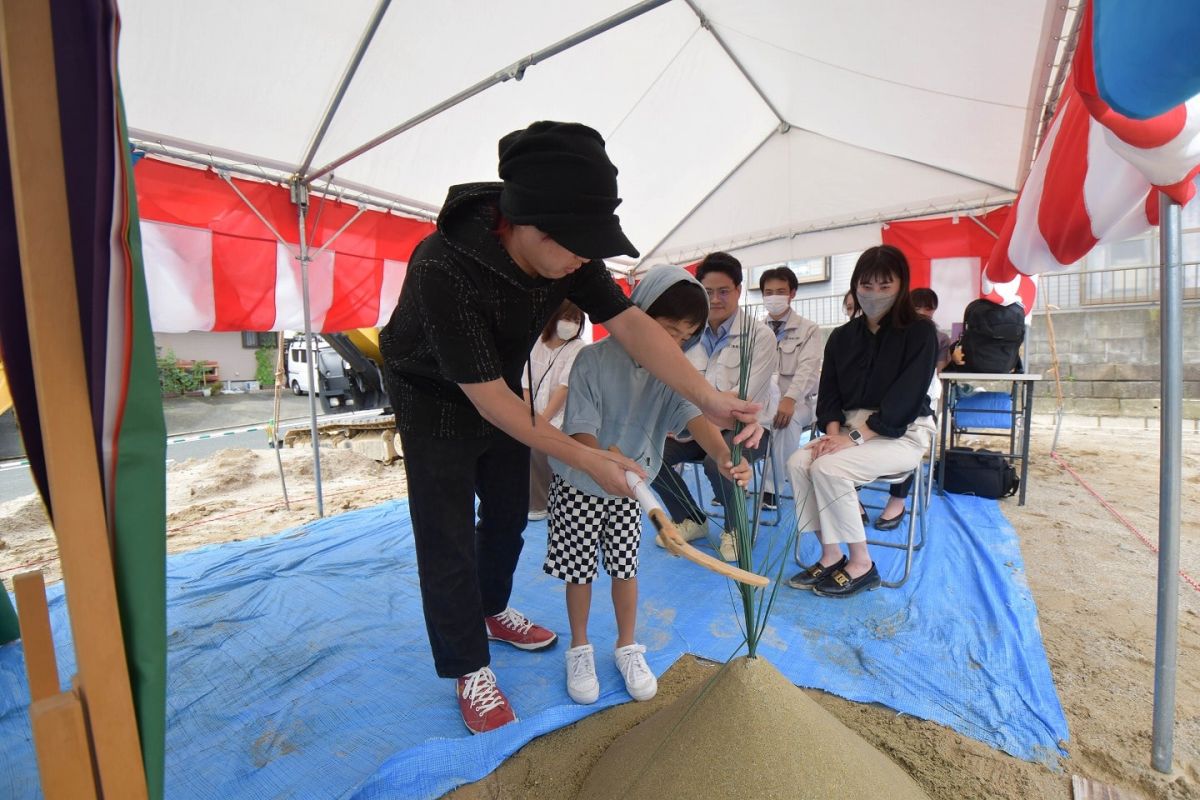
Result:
x=947 y=254
x=213 y=265
x=1095 y=178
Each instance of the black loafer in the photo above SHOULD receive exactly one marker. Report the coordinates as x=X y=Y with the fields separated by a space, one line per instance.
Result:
x=811 y=575
x=838 y=583
x=862 y=512
x=883 y=524
x=769 y=502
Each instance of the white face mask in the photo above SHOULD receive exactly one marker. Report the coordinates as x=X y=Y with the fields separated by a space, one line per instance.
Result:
x=875 y=304
x=775 y=304
x=566 y=330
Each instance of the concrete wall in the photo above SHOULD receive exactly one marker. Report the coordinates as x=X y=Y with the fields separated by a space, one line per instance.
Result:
x=1110 y=361
x=235 y=363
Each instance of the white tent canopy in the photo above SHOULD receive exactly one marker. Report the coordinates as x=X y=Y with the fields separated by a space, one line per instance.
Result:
x=732 y=122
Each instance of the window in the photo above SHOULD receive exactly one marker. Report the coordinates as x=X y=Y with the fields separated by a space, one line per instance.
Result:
x=808 y=270
x=252 y=340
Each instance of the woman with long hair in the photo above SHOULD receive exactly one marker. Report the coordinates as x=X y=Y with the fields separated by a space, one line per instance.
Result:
x=550 y=365
x=873 y=407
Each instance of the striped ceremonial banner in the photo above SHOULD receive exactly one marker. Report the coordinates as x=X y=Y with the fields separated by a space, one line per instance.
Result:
x=1095 y=178
x=213 y=265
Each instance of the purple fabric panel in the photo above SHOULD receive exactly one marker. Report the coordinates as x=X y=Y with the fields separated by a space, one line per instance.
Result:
x=14 y=331
x=83 y=62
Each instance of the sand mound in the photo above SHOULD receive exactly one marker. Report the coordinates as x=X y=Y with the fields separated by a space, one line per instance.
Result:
x=23 y=514
x=337 y=463
x=748 y=733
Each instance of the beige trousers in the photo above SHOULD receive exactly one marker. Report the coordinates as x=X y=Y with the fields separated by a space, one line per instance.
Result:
x=539 y=480
x=825 y=489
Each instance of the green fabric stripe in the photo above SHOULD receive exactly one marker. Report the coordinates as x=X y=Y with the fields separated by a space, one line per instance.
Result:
x=141 y=510
x=10 y=630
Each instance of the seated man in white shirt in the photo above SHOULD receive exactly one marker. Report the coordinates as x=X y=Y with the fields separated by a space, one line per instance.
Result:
x=718 y=354
x=798 y=359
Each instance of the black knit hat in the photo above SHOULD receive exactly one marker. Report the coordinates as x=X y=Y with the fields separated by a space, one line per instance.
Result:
x=558 y=178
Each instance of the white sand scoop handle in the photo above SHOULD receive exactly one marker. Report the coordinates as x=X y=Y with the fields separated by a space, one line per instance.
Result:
x=676 y=543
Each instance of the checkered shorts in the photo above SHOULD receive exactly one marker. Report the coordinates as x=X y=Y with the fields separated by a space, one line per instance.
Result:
x=582 y=524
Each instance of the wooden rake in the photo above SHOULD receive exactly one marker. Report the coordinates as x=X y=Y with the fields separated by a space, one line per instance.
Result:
x=678 y=546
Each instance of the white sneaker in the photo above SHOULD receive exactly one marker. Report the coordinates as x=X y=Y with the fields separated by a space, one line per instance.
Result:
x=689 y=529
x=582 y=684
x=538 y=516
x=639 y=680
x=728 y=546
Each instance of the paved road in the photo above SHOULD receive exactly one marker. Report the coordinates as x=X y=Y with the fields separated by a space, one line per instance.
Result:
x=181 y=414
x=16 y=481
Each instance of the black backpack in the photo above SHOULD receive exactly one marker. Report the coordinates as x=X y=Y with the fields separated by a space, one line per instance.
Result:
x=992 y=337
x=983 y=473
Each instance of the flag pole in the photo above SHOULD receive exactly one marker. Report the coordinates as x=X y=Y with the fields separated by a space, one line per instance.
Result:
x=1170 y=466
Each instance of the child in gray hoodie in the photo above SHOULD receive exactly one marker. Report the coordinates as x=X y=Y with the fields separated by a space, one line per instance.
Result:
x=613 y=402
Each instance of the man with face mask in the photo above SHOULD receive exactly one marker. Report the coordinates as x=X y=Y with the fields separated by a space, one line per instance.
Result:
x=798 y=346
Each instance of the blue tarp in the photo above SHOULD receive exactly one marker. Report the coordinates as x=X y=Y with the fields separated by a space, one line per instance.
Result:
x=984 y=410
x=299 y=667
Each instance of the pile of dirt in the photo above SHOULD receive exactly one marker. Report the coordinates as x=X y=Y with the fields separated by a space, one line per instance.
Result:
x=1093 y=581
x=746 y=733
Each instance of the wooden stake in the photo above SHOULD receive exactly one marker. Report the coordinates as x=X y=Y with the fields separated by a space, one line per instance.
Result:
x=41 y=666
x=1088 y=789
x=60 y=738
x=56 y=343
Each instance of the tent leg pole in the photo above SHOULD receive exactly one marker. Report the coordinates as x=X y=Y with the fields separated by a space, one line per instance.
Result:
x=1171 y=434
x=300 y=198
x=276 y=440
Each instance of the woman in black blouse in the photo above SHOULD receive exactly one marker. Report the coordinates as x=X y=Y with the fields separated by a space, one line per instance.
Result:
x=873 y=406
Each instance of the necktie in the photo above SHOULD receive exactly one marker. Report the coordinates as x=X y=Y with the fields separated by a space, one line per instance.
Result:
x=776 y=324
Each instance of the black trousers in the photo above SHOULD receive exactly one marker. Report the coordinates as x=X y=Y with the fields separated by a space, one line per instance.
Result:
x=673 y=490
x=465 y=562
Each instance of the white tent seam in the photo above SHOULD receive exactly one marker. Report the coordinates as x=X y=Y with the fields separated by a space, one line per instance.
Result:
x=686 y=253
x=650 y=86
x=877 y=78
x=737 y=167
x=927 y=165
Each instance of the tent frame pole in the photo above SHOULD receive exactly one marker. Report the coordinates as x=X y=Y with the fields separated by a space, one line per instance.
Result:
x=514 y=71
x=272 y=173
x=707 y=25
x=300 y=198
x=254 y=210
x=347 y=76
x=1166 y=647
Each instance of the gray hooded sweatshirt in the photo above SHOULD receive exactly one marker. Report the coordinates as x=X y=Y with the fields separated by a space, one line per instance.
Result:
x=619 y=402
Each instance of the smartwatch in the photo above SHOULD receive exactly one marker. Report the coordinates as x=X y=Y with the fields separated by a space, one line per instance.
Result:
x=856 y=437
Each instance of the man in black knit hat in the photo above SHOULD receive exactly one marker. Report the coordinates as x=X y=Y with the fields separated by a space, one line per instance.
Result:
x=477 y=292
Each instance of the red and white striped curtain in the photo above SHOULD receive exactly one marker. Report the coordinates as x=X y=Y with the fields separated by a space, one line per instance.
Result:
x=213 y=265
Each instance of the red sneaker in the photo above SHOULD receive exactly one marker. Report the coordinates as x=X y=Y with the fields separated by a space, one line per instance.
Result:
x=512 y=627
x=484 y=707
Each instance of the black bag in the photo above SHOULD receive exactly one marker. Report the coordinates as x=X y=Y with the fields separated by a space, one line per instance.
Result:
x=983 y=473
x=992 y=337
